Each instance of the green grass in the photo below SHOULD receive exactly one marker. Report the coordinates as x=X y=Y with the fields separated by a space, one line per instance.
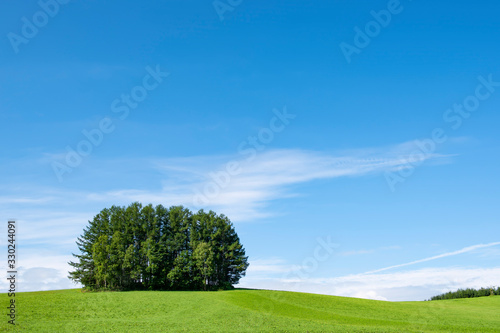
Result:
x=243 y=311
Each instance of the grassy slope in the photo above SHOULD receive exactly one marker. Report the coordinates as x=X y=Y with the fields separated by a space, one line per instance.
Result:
x=243 y=311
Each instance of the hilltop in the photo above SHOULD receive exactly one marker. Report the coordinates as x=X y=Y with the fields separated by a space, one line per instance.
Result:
x=243 y=310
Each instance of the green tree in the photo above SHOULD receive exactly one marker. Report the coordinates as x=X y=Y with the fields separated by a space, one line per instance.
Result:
x=101 y=261
x=146 y=247
x=204 y=260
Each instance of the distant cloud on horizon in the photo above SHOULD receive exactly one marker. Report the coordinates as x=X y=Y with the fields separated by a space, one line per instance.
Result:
x=419 y=284
x=411 y=285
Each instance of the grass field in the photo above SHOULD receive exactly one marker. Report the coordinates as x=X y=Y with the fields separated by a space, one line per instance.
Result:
x=243 y=311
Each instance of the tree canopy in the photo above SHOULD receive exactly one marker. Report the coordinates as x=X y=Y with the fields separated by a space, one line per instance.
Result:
x=468 y=293
x=158 y=248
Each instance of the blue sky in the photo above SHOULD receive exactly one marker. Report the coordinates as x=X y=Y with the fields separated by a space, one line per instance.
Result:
x=389 y=154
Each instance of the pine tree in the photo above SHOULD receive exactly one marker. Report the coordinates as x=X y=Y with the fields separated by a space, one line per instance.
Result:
x=155 y=248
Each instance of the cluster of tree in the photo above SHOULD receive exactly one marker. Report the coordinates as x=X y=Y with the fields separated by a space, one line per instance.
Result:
x=158 y=248
x=467 y=293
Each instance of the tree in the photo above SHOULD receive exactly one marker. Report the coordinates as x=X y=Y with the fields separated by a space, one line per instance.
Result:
x=204 y=260
x=85 y=270
x=468 y=293
x=100 y=255
x=155 y=248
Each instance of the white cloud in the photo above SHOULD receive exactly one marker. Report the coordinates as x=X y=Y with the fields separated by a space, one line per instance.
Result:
x=42 y=270
x=52 y=228
x=264 y=267
x=203 y=182
x=23 y=200
x=401 y=286
x=369 y=294
x=444 y=255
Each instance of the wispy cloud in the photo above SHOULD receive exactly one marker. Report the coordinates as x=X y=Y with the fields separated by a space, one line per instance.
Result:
x=269 y=266
x=24 y=200
x=444 y=255
x=355 y=252
x=269 y=176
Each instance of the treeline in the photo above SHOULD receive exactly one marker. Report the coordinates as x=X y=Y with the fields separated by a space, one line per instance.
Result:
x=467 y=293
x=158 y=248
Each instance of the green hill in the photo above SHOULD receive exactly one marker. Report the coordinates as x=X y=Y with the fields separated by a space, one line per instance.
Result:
x=243 y=311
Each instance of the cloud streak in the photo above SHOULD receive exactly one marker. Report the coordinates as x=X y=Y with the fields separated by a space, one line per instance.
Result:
x=268 y=176
x=444 y=255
